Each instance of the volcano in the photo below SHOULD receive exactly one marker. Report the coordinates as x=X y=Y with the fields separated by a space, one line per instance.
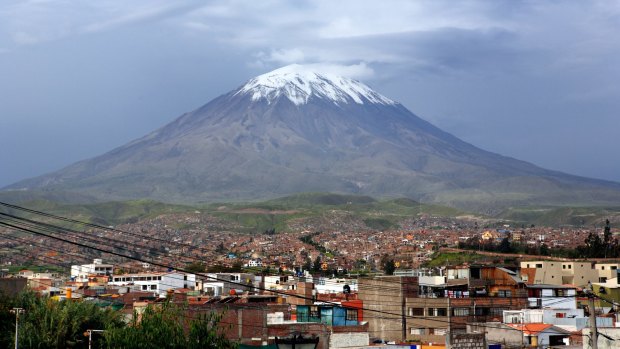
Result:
x=297 y=130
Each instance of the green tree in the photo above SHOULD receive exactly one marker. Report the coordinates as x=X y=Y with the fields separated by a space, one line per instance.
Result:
x=169 y=325
x=7 y=320
x=505 y=246
x=388 y=266
x=48 y=323
x=544 y=250
x=308 y=265
x=316 y=267
x=196 y=267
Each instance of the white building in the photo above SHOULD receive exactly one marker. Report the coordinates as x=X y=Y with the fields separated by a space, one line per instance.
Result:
x=552 y=296
x=336 y=285
x=255 y=263
x=567 y=319
x=80 y=273
x=158 y=283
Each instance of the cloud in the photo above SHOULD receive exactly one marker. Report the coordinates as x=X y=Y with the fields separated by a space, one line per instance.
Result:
x=356 y=71
x=286 y=56
x=136 y=15
x=33 y=22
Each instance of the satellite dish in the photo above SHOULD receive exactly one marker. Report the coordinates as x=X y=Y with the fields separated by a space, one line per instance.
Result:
x=346 y=289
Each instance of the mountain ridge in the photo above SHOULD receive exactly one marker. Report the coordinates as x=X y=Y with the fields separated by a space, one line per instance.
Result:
x=239 y=147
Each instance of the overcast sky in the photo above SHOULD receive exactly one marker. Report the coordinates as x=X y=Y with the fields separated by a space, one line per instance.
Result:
x=534 y=80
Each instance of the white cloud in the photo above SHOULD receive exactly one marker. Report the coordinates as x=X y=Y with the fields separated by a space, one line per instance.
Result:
x=356 y=71
x=287 y=56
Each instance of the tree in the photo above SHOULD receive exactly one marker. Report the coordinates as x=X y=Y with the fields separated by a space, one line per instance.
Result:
x=169 y=325
x=505 y=246
x=308 y=265
x=196 y=267
x=389 y=267
x=316 y=267
x=543 y=250
x=47 y=323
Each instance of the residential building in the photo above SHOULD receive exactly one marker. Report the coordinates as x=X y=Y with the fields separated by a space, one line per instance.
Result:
x=384 y=299
x=157 y=283
x=607 y=271
x=536 y=335
x=568 y=319
x=559 y=273
x=554 y=296
x=608 y=292
x=80 y=273
x=466 y=294
x=230 y=282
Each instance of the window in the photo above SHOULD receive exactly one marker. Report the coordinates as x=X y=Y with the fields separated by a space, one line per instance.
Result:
x=417 y=331
x=538 y=265
x=144 y=287
x=437 y=312
x=497 y=311
x=416 y=311
x=482 y=311
x=602 y=279
x=153 y=287
x=184 y=277
x=351 y=314
x=504 y=293
x=613 y=267
x=603 y=267
x=460 y=312
x=563 y=266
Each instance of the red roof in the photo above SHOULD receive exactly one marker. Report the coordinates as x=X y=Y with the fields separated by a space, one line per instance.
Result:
x=530 y=329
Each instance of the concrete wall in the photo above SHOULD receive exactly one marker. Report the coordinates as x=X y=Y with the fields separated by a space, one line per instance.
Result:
x=603 y=343
x=383 y=297
x=12 y=286
x=496 y=333
x=607 y=270
x=583 y=273
x=546 y=273
x=468 y=341
x=343 y=340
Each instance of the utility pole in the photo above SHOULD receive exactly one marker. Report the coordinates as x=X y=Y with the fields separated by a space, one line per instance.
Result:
x=17 y=311
x=593 y=330
x=89 y=334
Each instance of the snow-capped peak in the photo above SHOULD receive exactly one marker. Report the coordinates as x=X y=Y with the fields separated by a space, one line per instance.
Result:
x=298 y=83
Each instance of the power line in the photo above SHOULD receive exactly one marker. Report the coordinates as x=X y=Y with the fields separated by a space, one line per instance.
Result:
x=179 y=269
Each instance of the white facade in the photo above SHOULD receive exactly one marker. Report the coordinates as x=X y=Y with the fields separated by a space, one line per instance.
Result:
x=253 y=263
x=278 y=282
x=554 y=297
x=568 y=319
x=326 y=285
x=158 y=283
x=239 y=282
x=80 y=273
